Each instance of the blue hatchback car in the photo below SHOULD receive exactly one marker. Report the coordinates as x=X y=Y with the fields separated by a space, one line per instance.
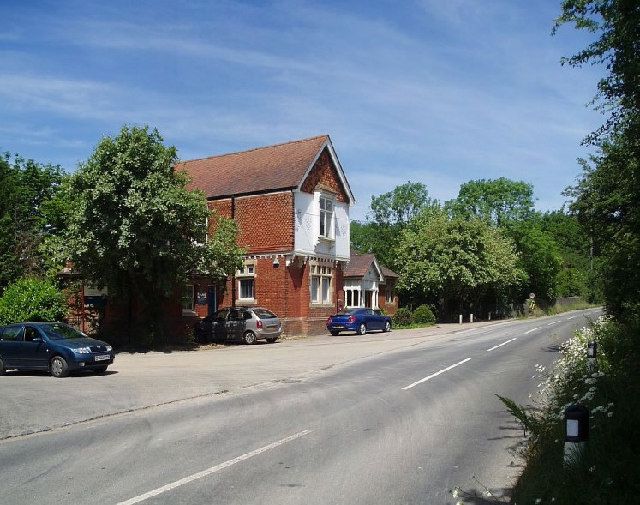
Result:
x=56 y=347
x=358 y=320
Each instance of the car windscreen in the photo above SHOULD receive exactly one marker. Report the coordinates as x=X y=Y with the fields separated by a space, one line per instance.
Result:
x=264 y=314
x=59 y=331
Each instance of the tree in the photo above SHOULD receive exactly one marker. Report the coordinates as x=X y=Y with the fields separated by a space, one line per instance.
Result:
x=134 y=227
x=496 y=201
x=617 y=47
x=606 y=197
x=399 y=206
x=31 y=300
x=389 y=214
x=26 y=188
x=457 y=261
x=539 y=257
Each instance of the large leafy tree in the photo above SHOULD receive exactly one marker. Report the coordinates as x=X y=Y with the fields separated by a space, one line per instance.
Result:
x=26 y=216
x=607 y=196
x=539 y=257
x=457 y=262
x=390 y=213
x=134 y=228
x=496 y=201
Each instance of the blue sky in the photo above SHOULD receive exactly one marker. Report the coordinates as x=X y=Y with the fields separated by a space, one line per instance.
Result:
x=435 y=91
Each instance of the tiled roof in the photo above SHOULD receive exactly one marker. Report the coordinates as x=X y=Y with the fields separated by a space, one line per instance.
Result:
x=359 y=265
x=263 y=169
x=387 y=272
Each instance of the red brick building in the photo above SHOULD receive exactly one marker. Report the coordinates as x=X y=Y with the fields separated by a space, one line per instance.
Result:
x=291 y=204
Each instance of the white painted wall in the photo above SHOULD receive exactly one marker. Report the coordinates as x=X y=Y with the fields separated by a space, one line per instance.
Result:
x=307 y=228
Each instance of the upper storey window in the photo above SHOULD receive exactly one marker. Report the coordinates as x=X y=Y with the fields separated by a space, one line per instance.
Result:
x=326 y=217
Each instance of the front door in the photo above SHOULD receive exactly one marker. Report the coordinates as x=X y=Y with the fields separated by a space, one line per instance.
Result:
x=212 y=300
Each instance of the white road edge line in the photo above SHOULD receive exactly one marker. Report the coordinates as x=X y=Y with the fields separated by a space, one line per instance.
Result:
x=425 y=379
x=503 y=343
x=211 y=470
x=531 y=330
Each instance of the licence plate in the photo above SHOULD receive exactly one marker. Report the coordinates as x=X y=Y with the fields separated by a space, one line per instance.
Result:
x=104 y=357
x=338 y=326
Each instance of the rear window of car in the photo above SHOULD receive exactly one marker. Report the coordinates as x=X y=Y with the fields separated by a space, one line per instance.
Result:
x=264 y=314
x=11 y=333
x=346 y=312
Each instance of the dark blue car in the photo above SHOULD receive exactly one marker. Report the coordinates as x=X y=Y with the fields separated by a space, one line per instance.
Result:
x=358 y=320
x=56 y=347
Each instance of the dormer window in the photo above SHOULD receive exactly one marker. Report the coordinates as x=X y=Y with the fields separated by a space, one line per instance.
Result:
x=326 y=217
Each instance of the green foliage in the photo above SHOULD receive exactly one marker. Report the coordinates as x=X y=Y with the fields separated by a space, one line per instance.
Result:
x=539 y=257
x=423 y=315
x=456 y=260
x=375 y=238
x=31 y=300
x=401 y=205
x=26 y=217
x=528 y=421
x=135 y=228
x=402 y=317
x=497 y=201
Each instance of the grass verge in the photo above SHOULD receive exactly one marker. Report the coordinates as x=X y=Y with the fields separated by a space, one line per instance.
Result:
x=607 y=472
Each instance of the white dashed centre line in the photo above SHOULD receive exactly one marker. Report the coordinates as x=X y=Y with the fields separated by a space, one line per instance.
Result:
x=552 y=322
x=531 y=331
x=213 y=469
x=569 y=318
x=428 y=377
x=503 y=343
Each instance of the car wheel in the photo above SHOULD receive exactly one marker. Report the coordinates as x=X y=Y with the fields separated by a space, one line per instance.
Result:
x=59 y=367
x=249 y=338
x=362 y=329
x=271 y=340
x=387 y=326
x=100 y=369
x=1 y=367
x=335 y=333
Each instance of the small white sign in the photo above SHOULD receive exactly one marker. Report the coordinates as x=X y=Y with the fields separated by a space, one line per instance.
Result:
x=572 y=427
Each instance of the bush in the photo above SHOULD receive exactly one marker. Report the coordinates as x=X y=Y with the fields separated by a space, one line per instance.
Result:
x=423 y=315
x=402 y=317
x=31 y=300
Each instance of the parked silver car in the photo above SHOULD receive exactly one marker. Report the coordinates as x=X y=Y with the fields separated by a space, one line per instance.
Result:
x=248 y=324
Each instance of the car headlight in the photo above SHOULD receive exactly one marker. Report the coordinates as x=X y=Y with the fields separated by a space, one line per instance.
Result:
x=82 y=350
x=109 y=348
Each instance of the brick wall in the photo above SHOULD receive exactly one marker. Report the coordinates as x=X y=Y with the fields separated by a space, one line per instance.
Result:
x=324 y=174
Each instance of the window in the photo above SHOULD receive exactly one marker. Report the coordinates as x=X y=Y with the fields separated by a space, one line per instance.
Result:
x=389 y=293
x=321 y=284
x=12 y=333
x=326 y=217
x=352 y=296
x=246 y=282
x=187 y=297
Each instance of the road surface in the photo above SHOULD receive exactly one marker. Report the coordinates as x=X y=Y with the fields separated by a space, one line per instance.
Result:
x=397 y=427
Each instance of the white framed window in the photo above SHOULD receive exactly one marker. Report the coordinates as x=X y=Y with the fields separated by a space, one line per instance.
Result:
x=188 y=297
x=320 y=284
x=246 y=279
x=326 y=217
x=352 y=296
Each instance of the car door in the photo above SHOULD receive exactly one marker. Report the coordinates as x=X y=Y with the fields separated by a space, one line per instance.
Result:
x=220 y=326
x=34 y=348
x=370 y=319
x=10 y=348
x=377 y=314
x=236 y=324
x=9 y=345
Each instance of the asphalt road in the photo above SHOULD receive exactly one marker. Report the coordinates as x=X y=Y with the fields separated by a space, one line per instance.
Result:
x=403 y=426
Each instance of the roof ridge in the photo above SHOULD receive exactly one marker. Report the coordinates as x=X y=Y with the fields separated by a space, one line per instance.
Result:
x=255 y=148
